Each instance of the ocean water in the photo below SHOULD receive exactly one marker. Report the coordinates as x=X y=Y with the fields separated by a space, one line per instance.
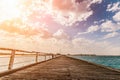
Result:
x=19 y=61
x=109 y=61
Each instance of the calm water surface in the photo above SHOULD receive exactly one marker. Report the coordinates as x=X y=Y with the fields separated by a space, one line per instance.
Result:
x=110 y=61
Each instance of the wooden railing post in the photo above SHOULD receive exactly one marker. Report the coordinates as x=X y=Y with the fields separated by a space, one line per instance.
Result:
x=49 y=56
x=52 y=56
x=55 y=56
x=11 y=62
x=37 y=55
x=45 y=57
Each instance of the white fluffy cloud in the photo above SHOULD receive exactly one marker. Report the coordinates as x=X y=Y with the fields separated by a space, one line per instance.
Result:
x=110 y=35
x=109 y=26
x=86 y=46
x=116 y=17
x=60 y=34
x=93 y=28
x=96 y=1
x=67 y=12
x=77 y=46
x=113 y=7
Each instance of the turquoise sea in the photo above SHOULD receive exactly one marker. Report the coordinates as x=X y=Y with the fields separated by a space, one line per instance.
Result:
x=109 y=61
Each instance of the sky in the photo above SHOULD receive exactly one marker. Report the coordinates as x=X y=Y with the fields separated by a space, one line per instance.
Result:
x=61 y=26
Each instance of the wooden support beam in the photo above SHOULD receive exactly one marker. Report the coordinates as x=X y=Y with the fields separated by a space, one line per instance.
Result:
x=49 y=56
x=37 y=55
x=45 y=58
x=52 y=56
x=11 y=62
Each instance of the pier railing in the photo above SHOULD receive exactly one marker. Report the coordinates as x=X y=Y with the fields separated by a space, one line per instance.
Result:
x=13 y=53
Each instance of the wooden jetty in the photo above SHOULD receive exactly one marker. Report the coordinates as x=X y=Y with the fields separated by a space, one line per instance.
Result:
x=64 y=68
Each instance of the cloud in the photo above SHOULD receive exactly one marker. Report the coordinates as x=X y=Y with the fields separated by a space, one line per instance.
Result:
x=28 y=30
x=109 y=26
x=60 y=34
x=116 y=17
x=93 y=29
x=53 y=45
x=65 y=12
x=75 y=46
x=114 y=7
x=86 y=46
x=96 y=1
x=68 y=12
x=15 y=41
x=18 y=27
x=111 y=35
x=31 y=43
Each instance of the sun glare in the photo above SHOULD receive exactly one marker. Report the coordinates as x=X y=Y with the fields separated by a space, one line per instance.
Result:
x=9 y=9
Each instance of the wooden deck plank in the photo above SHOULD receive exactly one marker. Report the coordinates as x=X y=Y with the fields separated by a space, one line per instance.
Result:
x=64 y=68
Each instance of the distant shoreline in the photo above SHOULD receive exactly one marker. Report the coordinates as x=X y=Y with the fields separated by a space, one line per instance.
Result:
x=92 y=55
